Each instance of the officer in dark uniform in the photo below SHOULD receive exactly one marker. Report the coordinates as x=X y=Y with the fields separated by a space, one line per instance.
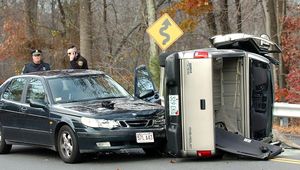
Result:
x=76 y=60
x=37 y=63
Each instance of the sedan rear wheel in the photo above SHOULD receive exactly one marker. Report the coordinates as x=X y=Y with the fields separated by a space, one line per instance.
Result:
x=4 y=148
x=67 y=145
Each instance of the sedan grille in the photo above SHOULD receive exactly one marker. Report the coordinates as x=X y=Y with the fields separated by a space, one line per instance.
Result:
x=136 y=123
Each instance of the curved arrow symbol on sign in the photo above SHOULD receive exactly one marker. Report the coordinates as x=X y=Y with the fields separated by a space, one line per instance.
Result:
x=166 y=25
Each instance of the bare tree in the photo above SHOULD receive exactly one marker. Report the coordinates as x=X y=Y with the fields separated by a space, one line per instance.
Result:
x=153 y=51
x=211 y=21
x=280 y=19
x=271 y=19
x=119 y=36
x=270 y=12
x=109 y=38
x=31 y=19
x=62 y=18
x=86 y=31
x=238 y=15
x=224 y=23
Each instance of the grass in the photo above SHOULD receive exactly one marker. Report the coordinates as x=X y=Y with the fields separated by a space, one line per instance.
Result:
x=292 y=128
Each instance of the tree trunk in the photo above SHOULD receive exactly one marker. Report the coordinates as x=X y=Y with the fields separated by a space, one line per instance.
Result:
x=62 y=19
x=211 y=21
x=272 y=30
x=281 y=13
x=282 y=68
x=225 y=29
x=271 y=7
x=53 y=3
x=153 y=51
x=86 y=31
x=239 y=15
x=31 y=21
x=108 y=36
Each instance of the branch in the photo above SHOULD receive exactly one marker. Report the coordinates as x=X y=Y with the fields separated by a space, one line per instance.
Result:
x=160 y=3
x=124 y=40
x=63 y=18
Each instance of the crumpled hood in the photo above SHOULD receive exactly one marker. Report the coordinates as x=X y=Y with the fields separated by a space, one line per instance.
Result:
x=116 y=108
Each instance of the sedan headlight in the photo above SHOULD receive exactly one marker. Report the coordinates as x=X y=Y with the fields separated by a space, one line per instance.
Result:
x=99 y=123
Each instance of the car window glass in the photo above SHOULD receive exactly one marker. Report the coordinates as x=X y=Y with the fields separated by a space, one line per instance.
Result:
x=144 y=81
x=14 y=90
x=90 y=87
x=35 y=91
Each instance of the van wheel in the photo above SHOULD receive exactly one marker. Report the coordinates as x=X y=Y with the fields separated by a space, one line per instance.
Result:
x=67 y=145
x=4 y=148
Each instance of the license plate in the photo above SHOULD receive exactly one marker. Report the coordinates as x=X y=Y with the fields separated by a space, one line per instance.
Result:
x=173 y=105
x=145 y=137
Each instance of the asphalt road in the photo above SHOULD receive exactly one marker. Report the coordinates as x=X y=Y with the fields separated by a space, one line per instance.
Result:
x=32 y=158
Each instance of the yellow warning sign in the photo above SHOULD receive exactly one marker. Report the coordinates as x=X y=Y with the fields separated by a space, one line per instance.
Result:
x=164 y=31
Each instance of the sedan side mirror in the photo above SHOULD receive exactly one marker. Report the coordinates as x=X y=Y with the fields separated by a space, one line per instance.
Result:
x=37 y=104
x=146 y=93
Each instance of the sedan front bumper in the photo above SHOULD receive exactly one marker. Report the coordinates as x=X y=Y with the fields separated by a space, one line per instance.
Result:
x=123 y=138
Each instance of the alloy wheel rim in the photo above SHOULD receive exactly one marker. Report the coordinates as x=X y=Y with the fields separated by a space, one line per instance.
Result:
x=66 y=144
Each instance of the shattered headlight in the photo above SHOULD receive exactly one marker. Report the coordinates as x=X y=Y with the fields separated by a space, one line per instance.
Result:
x=99 y=123
x=159 y=119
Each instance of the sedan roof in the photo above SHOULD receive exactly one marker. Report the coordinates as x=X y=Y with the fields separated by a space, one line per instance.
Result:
x=63 y=73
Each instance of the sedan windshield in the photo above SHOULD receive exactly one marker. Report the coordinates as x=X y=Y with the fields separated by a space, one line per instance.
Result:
x=82 y=88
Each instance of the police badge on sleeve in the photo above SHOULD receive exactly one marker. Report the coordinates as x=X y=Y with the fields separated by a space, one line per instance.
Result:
x=80 y=63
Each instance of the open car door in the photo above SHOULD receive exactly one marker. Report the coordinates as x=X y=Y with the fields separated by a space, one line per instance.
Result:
x=144 y=88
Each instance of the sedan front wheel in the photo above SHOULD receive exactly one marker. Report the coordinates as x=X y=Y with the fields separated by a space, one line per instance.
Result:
x=67 y=145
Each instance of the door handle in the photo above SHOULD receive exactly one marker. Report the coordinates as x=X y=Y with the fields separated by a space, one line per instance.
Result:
x=202 y=104
x=23 y=109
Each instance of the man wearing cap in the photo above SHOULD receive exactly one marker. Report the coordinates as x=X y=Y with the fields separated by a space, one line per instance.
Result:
x=76 y=60
x=37 y=63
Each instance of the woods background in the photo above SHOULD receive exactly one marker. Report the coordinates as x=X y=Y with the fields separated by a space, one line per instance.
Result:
x=111 y=34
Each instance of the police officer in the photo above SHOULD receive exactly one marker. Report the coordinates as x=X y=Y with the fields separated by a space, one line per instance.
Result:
x=37 y=63
x=76 y=60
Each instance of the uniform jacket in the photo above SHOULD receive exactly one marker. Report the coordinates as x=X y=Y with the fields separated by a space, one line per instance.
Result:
x=79 y=63
x=32 y=67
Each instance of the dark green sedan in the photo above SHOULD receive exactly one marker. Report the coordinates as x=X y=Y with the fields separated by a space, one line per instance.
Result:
x=74 y=112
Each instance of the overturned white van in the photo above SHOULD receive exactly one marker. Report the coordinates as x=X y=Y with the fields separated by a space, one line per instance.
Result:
x=220 y=98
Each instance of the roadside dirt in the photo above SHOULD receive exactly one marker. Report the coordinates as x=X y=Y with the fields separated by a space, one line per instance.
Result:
x=293 y=127
x=294 y=130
